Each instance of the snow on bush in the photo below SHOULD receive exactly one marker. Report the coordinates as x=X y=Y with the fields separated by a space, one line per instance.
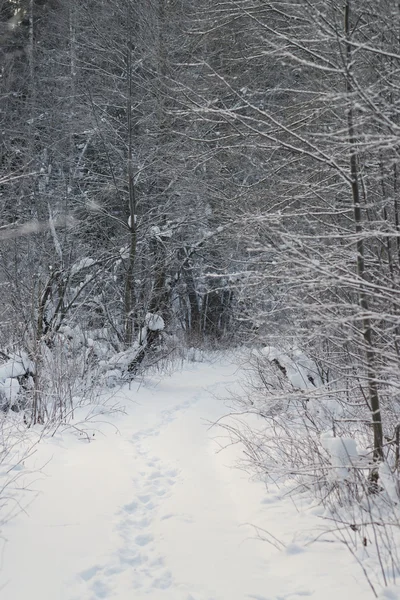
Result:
x=122 y=360
x=84 y=263
x=9 y=390
x=343 y=455
x=300 y=370
x=195 y=355
x=112 y=377
x=17 y=364
x=154 y=322
x=389 y=482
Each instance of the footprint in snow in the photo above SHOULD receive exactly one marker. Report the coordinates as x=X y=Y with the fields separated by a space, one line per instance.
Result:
x=131 y=508
x=164 y=581
x=172 y=473
x=134 y=560
x=100 y=589
x=137 y=555
x=90 y=573
x=145 y=499
x=294 y=549
x=155 y=475
x=144 y=540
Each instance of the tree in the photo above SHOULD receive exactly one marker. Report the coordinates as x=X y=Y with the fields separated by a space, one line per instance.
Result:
x=317 y=229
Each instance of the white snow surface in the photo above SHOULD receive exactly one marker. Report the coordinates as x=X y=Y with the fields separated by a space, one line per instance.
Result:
x=145 y=505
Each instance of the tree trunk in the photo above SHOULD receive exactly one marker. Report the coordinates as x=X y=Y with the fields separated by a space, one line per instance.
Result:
x=361 y=271
x=129 y=300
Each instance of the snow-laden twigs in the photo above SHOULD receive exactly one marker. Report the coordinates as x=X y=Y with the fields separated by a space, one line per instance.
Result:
x=312 y=436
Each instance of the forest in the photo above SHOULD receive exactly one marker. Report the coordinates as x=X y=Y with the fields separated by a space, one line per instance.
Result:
x=188 y=176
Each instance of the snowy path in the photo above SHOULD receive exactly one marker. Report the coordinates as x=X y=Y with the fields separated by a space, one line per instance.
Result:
x=154 y=511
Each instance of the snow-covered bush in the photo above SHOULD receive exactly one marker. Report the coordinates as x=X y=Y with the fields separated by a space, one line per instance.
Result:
x=308 y=427
x=311 y=435
x=16 y=378
x=147 y=348
x=154 y=322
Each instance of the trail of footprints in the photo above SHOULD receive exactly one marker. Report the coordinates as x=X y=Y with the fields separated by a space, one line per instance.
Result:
x=167 y=416
x=136 y=565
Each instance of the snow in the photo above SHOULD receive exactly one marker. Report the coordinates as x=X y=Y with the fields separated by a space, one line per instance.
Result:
x=391 y=593
x=130 y=220
x=124 y=252
x=15 y=366
x=84 y=263
x=9 y=390
x=300 y=369
x=343 y=454
x=146 y=505
x=154 y=322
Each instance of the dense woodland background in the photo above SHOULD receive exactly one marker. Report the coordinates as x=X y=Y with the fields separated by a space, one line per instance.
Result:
x=227 y=169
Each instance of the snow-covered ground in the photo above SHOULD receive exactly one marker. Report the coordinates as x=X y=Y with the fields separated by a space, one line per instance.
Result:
x=145 y=505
